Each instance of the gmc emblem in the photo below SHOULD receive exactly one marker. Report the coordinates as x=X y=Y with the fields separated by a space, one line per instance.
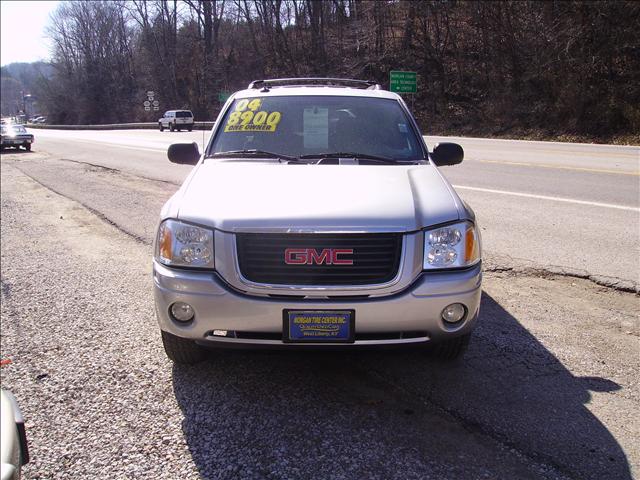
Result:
x=309 y=256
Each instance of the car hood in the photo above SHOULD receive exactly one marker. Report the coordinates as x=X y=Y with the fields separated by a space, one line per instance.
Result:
x=272 y=197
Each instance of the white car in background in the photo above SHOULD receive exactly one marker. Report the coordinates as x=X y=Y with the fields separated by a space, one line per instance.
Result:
x=176 y=120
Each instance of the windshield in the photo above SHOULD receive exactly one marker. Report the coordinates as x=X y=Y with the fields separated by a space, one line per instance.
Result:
x=13 y=129
x=301 y=126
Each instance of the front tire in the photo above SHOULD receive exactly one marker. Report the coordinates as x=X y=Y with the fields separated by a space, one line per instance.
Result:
x=28 y=147
x=180 y=350
x=450 y=350
x=161 y=127
x=189 y=128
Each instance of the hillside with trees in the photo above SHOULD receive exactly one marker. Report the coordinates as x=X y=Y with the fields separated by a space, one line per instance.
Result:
x=18 y=80
x=553 y=69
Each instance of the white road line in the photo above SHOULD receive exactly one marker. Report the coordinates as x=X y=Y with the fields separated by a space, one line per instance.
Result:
x=131 y=147
x=541 y=142
x=111 y=144
x=553 y=199
x=559 y=167
x=160 y=148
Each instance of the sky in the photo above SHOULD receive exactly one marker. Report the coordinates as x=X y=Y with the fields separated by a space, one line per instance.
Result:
x=22 y=26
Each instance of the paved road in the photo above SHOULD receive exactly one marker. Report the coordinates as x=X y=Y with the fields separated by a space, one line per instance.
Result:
x=548 y=389
x=540 y=204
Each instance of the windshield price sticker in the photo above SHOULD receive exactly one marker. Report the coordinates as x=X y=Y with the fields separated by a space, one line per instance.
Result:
x=247 y=118
x=315 y=123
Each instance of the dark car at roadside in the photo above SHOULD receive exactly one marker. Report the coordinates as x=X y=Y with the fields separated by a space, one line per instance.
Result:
x=15 y=136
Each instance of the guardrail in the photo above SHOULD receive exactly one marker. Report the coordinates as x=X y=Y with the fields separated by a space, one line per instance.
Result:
x=116 y=126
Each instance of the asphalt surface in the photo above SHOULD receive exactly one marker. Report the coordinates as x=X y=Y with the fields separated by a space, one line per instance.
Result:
x=571 y=208
x=548 y=389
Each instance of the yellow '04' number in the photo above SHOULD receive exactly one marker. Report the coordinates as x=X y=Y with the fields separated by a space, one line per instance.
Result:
x=245 y=118
x=251 y=104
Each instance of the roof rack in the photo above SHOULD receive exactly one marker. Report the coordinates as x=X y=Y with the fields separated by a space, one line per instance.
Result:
x=318 y=81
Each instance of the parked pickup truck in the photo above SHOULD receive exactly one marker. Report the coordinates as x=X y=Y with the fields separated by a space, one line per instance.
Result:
x=316 y=217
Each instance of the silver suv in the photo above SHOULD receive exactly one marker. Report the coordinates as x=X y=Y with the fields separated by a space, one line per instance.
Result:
x=316 y=217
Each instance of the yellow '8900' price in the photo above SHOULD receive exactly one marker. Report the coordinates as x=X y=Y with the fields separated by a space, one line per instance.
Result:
x=244 y=118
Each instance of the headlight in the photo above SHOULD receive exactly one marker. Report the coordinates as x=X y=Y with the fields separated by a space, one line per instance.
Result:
x=184 y=245
x=452 y=246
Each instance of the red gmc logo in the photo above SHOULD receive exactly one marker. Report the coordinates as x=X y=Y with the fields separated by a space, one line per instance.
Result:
x=309 y=256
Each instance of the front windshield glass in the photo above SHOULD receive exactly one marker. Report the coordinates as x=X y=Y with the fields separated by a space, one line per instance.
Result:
x=13 y=129
x=315 y=125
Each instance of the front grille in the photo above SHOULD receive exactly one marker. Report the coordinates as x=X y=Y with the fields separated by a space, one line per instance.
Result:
x=376 y=258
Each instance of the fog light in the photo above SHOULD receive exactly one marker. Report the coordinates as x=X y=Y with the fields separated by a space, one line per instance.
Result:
x=183 y=312
x=453 y=313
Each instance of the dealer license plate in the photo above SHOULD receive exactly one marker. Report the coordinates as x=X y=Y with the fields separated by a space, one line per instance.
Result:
x=334 y=326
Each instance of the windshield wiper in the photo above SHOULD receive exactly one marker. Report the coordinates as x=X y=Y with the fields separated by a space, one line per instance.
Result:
x=253 y=153
x=354 y=155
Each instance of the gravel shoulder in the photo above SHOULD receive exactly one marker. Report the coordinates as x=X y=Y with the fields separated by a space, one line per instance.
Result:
x=549 y=388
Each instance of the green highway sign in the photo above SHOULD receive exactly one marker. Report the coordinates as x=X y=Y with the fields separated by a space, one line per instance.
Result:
x=403 y=82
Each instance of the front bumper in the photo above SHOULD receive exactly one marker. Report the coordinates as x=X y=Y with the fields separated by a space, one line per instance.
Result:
x=15 y=141
x=408 y=317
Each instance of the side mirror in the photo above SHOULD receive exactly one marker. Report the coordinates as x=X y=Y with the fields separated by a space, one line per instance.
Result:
x=184 y=153
x=447 y=154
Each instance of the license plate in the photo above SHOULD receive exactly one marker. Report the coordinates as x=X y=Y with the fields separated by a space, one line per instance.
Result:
x=334 y=326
